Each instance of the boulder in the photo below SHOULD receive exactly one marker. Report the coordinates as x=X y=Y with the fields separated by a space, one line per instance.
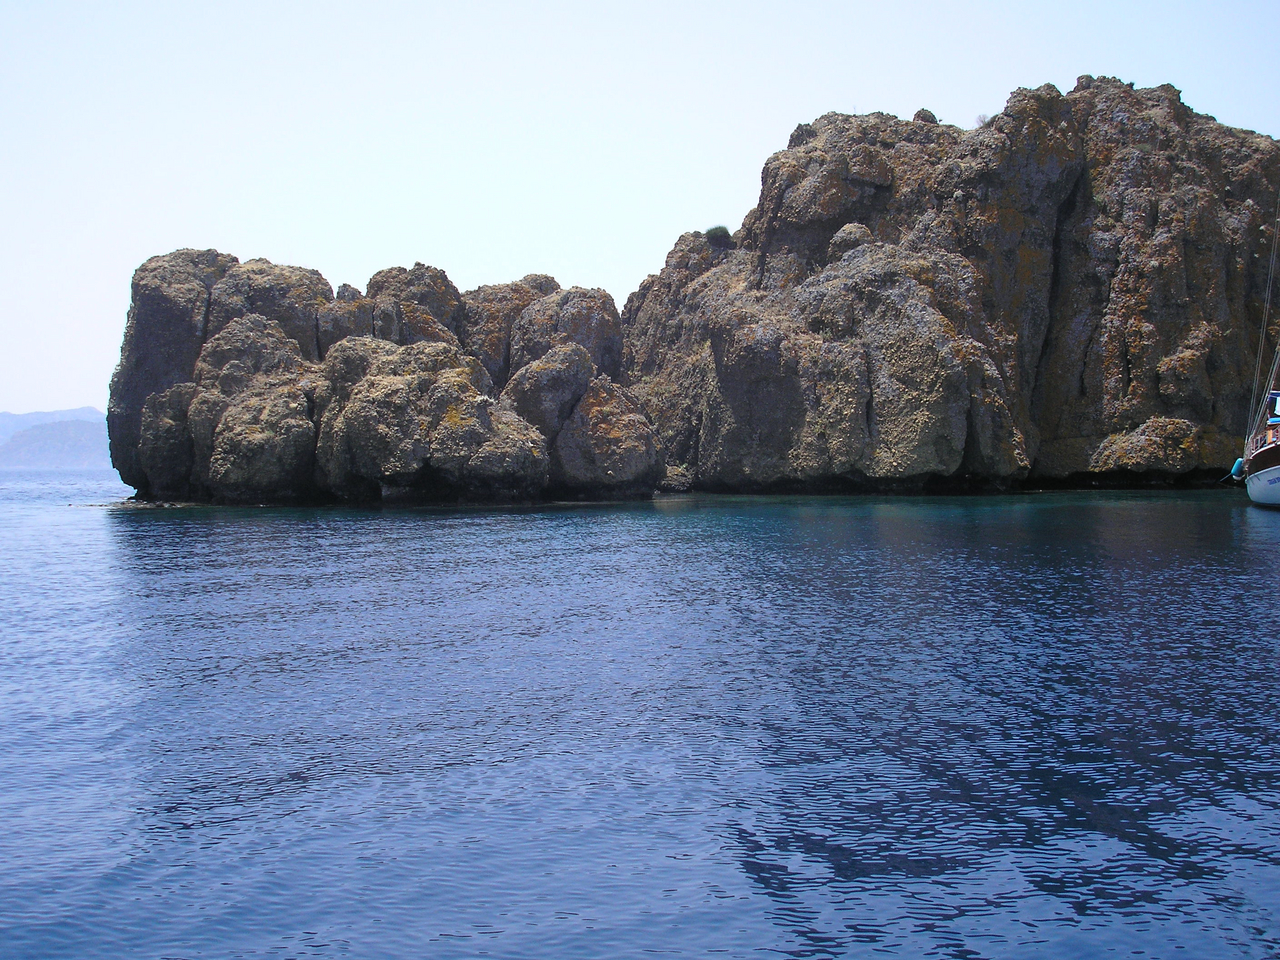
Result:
x=545 y=391
x=241 y=431
x=492 y=312
x=587 y=317
x=415 y=424
x=291 y=296
x=346 y=316
x=1161 y=445
x=427 y=288
x=607 y=446
x=264 y=446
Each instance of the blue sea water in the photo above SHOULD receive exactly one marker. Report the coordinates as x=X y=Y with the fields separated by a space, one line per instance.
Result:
x=1043 y=725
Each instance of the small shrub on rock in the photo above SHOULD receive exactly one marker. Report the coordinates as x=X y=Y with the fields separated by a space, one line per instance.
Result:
x=719 y=237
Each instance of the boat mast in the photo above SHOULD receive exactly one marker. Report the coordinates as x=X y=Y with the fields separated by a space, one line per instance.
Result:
x=1256 y=408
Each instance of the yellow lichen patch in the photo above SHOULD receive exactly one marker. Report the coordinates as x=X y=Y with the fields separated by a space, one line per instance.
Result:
x=456 y=417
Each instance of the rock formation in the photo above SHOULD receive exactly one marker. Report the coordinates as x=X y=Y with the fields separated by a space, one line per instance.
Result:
x=255 y=383
x=1074 y=288
x=1072 y=291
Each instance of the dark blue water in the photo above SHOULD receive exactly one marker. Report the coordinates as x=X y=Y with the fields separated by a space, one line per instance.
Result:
x=1036 y=726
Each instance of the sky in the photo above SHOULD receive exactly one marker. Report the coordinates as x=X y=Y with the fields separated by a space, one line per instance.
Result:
x=488 y=139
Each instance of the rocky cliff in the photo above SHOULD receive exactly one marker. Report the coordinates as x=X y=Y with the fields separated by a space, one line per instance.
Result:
x=1070 y=291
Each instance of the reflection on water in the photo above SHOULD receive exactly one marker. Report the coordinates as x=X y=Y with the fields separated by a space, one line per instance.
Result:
x=993 y=727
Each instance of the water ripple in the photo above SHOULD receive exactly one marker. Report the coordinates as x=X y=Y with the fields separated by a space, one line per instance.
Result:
x=955 y=728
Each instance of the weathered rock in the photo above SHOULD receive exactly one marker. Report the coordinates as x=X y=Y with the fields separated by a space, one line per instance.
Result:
x=1160 y=444
x=588 y=317
x=264 y=446
x=491 y=313
x=426 y=287
x=404 y=322
x=248 y=347
x=1073 y=288
x=910 y=300
x=416 y=424
x=545 y=285
x=545 y=391
x=349 y=315
x=168 y=320
x=607 y=446
x=167 y=456
x=291 y=296
x=1160 y=273
x=242 y=431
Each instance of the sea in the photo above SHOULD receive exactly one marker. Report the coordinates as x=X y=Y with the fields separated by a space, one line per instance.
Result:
x=1036 y=725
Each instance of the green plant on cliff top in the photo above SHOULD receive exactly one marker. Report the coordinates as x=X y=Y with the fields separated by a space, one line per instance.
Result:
x=719 y=237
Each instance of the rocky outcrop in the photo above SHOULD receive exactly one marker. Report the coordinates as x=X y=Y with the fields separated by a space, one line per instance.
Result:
x=607 y=444
x=167 y=324
x=1070 y=292
x=241 y=430
x=1072 y=288
x=415 y=422
x=587 y=317
x=600 y=440
x=268 y=388
x=492 y=312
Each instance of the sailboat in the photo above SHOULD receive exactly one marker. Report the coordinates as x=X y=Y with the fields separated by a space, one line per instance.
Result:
x=1259 y=468
x=1260 y=465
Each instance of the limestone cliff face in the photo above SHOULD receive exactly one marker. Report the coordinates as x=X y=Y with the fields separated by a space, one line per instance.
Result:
x=1074 y=287
x=255 y=383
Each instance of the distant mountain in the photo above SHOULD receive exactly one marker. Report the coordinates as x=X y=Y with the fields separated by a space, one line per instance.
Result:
x=60 y=445
x=11 y=423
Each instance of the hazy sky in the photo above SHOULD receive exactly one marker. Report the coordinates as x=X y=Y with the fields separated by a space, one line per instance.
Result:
x=489 y=139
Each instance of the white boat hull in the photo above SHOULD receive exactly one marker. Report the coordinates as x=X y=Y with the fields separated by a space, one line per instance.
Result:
x=1264 y=486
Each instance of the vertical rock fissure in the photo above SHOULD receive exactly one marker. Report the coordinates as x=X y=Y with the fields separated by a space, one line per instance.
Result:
x=766 y=238
x=204 y=320
x=695 y=444
x=869 y=410
x=1083 y=389
x=1060 y=252
x=1066 y=210
x=969 y=452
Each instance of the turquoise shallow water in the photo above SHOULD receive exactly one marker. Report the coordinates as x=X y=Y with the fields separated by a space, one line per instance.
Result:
x=1032 y=726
